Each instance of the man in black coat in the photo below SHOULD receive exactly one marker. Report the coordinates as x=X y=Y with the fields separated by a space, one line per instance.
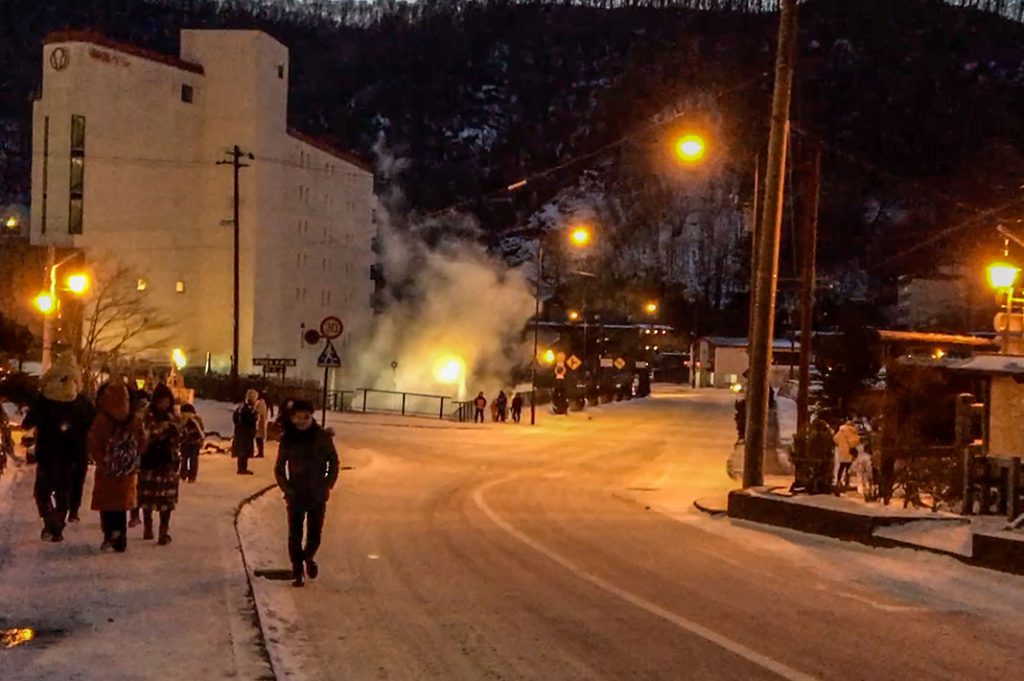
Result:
x=306 y=470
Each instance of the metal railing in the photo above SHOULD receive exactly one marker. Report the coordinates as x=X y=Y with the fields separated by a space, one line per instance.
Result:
x=373 y=401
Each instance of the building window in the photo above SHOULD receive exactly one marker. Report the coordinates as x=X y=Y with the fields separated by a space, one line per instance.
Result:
x=280 y=71
x=141 y=285
x=76 y=181
x=75 y=216
x=78 y=134
x=179 y=286
x=186 y=93
x=77 y=175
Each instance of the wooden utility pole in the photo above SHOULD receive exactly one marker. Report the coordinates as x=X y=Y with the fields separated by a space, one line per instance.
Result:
x=766 y=274
x=808 y=225
x=235 y=155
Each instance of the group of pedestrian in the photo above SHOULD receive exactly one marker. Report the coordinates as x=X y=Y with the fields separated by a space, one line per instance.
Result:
x=501 y=408
x=140 y=444
x=144 y=445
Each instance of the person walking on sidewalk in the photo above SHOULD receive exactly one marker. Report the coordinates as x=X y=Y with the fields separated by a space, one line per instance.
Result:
x=61 y=417
x=192 y=437
x=245 y=419
x=847 y=441
x=517 y=407
x=479 y=403
x=306 y=471
x=158 y=472
x=262 y=416
x=115 y=443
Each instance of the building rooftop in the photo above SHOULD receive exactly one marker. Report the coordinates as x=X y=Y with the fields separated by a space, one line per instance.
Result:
x=101 y=40
x=738 y=342
x=327 y=148
x=934 y=338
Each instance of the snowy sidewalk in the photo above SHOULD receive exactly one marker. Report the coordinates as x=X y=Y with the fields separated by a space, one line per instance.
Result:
x=156 y=612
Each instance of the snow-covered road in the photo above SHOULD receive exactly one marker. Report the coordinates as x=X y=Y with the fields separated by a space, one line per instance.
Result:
x=570 y=551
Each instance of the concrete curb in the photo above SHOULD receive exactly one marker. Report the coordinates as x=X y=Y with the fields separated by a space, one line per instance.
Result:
x=264 y=651
x=988 y=551
x=712 y=506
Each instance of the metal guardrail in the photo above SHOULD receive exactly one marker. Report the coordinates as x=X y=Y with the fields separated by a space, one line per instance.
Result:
x=373 y=401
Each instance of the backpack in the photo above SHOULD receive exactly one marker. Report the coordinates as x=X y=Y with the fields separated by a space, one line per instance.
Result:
x=123 y=455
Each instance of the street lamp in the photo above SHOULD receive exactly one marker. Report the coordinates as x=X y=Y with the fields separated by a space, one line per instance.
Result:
x=11 y=223
x=573 y=315
x=690 y=148
x=45 y=302
x=1001 y=276
x=77 y=283
x=48 y=301
x=179 y=359
x=651 y=307
x=579 y=237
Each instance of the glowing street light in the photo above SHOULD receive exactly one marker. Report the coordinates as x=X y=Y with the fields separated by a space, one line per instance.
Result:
x=11 y=222
x=45 y=302
x=573 y=315
x=690 y=148
x=651 y=307
x=579 y=236
x=449 y=369
x=78 y=283
x=548 y=356
x=1002 y=275
x=179 y=359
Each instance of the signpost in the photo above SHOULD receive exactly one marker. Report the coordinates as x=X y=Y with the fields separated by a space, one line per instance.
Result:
x=574 y=362
x=620 y=363
x=330 y=328
x=274 y=365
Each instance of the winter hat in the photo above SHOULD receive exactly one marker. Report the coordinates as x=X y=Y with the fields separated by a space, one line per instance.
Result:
x=160 y=392
x=62 y=381
x=187 y=408
x=251 y=395
x=303 y=405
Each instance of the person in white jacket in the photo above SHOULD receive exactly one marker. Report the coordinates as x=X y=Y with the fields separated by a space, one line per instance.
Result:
x=847 y=443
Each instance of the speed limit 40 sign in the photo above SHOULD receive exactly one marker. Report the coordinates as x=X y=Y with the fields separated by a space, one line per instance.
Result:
x=331 y=328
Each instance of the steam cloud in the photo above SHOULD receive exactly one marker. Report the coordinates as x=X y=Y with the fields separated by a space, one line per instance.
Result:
x=447 y=298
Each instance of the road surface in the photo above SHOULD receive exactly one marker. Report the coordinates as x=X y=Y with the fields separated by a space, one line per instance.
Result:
x=568 y=551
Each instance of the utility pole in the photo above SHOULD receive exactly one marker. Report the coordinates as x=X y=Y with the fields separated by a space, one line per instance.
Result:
x=235 y=155
x=536 y=322
x=766 y=274
x=808 y=225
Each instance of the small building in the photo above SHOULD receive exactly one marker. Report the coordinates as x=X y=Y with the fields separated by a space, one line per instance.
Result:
x=723 y=361
x=132 y=164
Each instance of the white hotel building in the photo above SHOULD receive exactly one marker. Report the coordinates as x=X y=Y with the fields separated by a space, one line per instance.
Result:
x=125 y=150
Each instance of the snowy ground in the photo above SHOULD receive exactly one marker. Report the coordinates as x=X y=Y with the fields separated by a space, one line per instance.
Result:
x=533 y=553
x=177 y=612
x=565 y=551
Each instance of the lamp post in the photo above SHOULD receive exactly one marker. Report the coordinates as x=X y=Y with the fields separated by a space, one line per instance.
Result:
x=579 y=237
x=1002 y=276
x=48 y=301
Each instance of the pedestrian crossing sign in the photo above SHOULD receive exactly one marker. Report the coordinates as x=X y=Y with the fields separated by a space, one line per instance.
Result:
x=329 y=357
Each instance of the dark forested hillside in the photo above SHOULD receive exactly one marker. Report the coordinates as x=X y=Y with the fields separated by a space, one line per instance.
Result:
x=921 y=132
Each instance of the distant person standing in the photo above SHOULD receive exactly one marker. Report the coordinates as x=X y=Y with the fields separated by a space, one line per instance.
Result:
x=517 y=407
x=847 y=440
x=306 y=471
x=502 y=402
x=116 y=441
x=246 y=420
x=262 y=416
x=192 y=437
x=480 y=403
x=158 y=471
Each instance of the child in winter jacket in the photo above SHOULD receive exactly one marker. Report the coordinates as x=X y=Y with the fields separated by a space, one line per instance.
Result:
x=192 y=437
